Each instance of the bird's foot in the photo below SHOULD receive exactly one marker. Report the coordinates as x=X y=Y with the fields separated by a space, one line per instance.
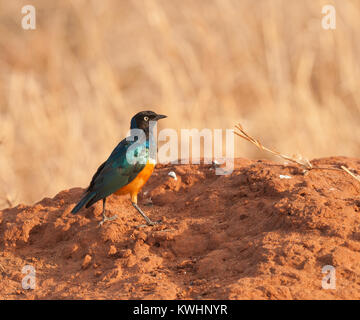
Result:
x=105 y=218
x=149 y=224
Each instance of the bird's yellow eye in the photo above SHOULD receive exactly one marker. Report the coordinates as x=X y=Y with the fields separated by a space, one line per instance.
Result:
x=146 y=118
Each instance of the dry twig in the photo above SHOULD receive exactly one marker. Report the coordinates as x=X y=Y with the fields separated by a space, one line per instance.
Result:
x=350 y=173
x=6 y=199
x=305 y=163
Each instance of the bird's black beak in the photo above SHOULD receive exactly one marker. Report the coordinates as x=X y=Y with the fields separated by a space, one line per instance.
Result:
x=160 y=116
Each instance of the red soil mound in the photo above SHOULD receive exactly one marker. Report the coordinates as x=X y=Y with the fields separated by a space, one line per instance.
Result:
x=252 y=234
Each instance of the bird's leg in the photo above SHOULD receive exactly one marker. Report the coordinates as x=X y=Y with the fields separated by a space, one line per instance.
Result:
x=105 y=218
x=148 y=221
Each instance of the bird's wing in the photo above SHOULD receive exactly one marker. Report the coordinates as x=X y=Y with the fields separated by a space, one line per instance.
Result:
x=116 y=171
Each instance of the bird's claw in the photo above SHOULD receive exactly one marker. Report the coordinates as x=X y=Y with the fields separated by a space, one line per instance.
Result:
x=149 y=224
x=105 y=218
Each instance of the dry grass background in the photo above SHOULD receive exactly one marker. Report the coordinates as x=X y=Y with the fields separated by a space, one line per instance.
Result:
x=69 y=88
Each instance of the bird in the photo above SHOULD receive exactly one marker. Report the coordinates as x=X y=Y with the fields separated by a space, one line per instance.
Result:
x=127 y=169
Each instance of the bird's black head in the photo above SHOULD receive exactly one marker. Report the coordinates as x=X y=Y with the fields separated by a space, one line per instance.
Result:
x=142 y=120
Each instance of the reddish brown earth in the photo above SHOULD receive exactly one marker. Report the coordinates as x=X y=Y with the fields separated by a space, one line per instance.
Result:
x=249 y=235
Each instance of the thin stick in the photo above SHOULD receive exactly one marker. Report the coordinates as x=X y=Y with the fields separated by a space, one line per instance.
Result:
x=6 y=199
x=305 y=163
x=350 y=173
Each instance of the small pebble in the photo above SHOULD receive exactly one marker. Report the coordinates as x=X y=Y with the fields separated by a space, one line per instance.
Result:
x=215 y=163
x=172 y=174
x=282 y=176
x=112 y=250
x=86 y=262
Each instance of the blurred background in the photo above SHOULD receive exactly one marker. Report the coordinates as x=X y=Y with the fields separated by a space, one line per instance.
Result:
x=69 y=88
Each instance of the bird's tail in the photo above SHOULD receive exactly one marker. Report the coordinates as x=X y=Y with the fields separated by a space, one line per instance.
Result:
x=84 y=200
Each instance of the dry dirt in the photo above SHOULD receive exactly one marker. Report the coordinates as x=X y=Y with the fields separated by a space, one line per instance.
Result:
x=249 y=235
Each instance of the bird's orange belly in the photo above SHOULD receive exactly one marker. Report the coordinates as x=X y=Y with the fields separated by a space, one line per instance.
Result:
x=134 y=186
